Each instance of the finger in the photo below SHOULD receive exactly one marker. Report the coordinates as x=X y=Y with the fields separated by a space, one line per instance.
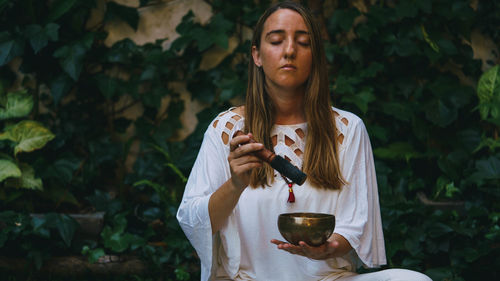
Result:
x=243 y=159
x=306 y=248
x=289 y=247
x=295 y=251
x=237 y=141
x=315 y=252
x=247 y=148
x=243 y=168
x=334 y=244
x=277 y=242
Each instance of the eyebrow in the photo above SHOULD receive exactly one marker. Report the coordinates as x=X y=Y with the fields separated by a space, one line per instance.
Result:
x=280 y=31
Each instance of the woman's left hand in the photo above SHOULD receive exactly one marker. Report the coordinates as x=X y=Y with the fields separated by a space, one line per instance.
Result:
x=325 y=251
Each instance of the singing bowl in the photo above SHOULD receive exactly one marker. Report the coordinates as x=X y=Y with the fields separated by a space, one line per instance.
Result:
x=312 y=228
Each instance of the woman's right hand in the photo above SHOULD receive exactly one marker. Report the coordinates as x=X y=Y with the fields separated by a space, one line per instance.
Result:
x=242 y=160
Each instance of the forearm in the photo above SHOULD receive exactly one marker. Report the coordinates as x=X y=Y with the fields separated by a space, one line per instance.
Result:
x=222 y=203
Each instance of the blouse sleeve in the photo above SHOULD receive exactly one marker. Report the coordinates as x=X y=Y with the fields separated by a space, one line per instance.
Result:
x=358 y=213
x=209 y=172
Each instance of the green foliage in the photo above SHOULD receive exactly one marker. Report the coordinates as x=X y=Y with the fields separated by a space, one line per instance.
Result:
x=16 y=104
x=34 y=234
x=26 y=136
x=488 y=91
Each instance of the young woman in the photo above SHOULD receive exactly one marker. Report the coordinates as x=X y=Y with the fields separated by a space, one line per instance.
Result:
x=232 y=200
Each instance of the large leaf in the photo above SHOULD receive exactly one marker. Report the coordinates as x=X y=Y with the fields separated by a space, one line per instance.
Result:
x=40 y=36
x=488 y=91
x=441 y=113
x=63 y=168
x=107 y=85
x=71 y=59
x=65 y=225
x=60 y=86
x=18 y=104
x=487 y=169
x=28 y=180
x=29 y=135
x=8 y=169
x=117 y=239
x=93 y=254
x=10 y=49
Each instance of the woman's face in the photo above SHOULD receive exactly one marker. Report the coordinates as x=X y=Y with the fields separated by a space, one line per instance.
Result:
x=285 y=50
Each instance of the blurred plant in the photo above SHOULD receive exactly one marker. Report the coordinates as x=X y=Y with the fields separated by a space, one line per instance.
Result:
x=24 y=136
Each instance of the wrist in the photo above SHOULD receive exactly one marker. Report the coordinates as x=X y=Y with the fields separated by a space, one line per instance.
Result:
x=236 y=185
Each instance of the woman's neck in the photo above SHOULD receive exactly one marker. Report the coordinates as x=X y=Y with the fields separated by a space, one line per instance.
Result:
x=288 y=107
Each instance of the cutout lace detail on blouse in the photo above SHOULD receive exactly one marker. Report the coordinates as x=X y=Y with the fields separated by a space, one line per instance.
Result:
x=288 y=140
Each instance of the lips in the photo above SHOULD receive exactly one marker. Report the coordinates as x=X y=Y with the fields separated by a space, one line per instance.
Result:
x=289 y=67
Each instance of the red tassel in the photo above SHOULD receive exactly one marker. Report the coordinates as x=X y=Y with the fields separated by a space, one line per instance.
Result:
x=291 y=196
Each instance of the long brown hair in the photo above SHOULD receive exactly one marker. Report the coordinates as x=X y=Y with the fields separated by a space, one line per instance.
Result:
x=320 y=156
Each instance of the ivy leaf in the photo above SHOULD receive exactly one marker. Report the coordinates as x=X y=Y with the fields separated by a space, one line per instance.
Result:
x=372 y=70
x=231 y=86
x=446 y=46
x=202 y=87
x=346 y=84
x=107 y=85
x=8 y=169
x=66 y=227
x=488 y=91
x=71 y=59
x=186 y=23
x=441 y=114
x=39 y=226
x=343 y=19
x=115 y=11
x=60 y=86
x=219 y=27
x=10 y=49
x=40 y=36
x=400 y=111
x=487 y=169
x=93 y=254
x=28 y=179
x=103 y=202
x=397 y=150
x=115 y=238
x=59 y=8
x=63 y=169
x=361 y=99
x=29 y=135
x=18 y=104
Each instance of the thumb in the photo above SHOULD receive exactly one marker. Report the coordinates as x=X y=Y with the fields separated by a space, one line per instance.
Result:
x=335 y=244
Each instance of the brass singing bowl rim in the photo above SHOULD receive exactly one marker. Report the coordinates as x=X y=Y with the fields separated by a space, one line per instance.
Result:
x=306 y=215
x=302 y=226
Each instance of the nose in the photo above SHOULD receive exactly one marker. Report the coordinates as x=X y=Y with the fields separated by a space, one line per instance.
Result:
x=290 y=49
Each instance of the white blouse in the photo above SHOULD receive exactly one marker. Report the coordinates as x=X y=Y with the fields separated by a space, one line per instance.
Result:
x=241 y=250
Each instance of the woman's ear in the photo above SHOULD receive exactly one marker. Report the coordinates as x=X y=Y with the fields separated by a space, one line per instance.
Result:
x=256 y=56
